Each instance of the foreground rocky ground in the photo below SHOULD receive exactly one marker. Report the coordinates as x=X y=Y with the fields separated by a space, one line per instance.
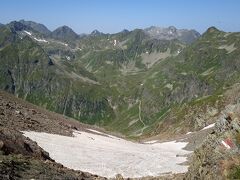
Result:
x=20 y=157
x=216 y=150
x=218 y=156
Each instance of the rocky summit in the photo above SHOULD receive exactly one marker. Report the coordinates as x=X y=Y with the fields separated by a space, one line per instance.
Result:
x=184 y=35
x=151 y=89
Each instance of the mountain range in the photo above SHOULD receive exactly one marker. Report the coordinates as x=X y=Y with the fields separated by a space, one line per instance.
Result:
x=140 y=83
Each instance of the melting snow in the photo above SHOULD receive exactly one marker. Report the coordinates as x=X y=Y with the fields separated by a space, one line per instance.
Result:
x=225 y=144
x=63 y=43
x=41 y=40
x=28 y=33
x=209 y=126
x=150 y=142
x=108 y=156
x=115 y=42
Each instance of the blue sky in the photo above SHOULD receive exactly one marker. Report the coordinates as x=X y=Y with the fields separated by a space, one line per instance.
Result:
x=111 y=16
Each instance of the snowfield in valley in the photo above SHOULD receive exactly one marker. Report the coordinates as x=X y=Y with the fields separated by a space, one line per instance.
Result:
x=107 y=156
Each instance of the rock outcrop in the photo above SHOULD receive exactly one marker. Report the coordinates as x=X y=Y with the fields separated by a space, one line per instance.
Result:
x=218 y=156
x=22 y=158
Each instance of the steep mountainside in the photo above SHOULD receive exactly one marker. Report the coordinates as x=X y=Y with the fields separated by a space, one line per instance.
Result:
x=64 y=33
x=131 y=82
x=37 y=27
x=218 y=156
x=175 y=87
x=156 y=82
x=199 y=76
x=28 y=72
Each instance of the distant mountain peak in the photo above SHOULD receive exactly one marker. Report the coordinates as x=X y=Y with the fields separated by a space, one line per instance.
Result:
x=172 y=29
x=96 y=33
x=64 y=28
x=125 y=31
x=211 y=32
x=64 y=33
x=171 y=32
x=18 y=26
x=36 y=26
x=212 y=29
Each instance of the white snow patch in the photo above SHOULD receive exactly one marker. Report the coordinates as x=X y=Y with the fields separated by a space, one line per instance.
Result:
x=28 y=33
x=107 y=156
x=41 y=40
x=17 y=112
x=64 y=44
x=228 y=48
x=169 y=86
x=98 y=132
x=109 y=62
x=150 y=142
x=225 y=144
x=209 y=126
x=95 y=131
x=115 y=42
x=132 y=122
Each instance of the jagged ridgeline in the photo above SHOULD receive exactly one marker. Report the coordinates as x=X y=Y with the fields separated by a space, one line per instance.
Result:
x=28 y=72
x=133 y=82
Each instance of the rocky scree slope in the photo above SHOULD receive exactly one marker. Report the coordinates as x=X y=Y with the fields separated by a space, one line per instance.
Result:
x=20 y=157
x=218 y=156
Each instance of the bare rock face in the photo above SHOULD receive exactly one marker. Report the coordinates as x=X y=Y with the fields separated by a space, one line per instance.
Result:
x=218 y=156
x=24 y=167
x=21 y=158
x=13 y=142
x=184 y=35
